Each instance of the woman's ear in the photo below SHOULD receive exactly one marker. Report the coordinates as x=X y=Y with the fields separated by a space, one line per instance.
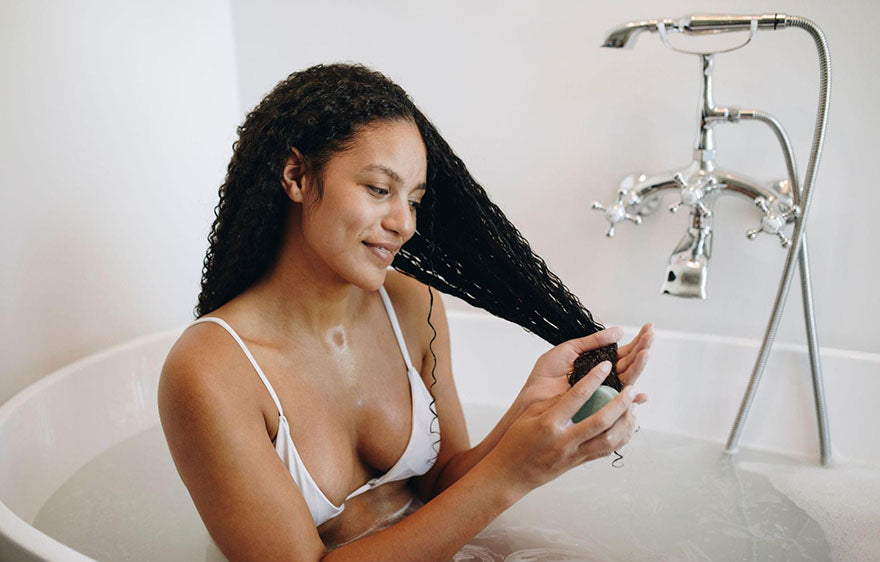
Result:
x=292 y=176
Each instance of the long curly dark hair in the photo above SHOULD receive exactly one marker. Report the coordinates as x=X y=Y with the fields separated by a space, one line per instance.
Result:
x=463 y=244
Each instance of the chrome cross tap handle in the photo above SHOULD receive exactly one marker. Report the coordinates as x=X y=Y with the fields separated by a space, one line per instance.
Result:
x=773 y=220
x=616 y=212
x=691 y=192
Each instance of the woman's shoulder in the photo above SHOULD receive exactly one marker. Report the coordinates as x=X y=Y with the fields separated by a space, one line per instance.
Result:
x=412 y=302
x=410 y=296
x=200 y=347
x=404 y=287
x=206 y=365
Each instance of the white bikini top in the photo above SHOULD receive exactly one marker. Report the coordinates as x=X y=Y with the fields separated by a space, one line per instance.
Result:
x=418 y=457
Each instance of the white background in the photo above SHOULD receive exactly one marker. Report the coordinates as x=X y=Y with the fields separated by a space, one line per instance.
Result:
x=117 y=122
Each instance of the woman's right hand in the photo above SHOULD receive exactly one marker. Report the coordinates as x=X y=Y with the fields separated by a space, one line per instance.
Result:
x=543 y=442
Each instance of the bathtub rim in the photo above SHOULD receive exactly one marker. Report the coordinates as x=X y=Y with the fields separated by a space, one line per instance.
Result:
x=19 y=533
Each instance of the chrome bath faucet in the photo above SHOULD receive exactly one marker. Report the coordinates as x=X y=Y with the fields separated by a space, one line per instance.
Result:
x=700 y=184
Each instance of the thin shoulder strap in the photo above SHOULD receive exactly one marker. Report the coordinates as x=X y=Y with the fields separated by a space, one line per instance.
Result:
x=247 y=352
x=396 y=326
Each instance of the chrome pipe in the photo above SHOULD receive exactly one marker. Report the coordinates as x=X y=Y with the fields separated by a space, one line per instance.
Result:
x=815 y=364
x=729 y=183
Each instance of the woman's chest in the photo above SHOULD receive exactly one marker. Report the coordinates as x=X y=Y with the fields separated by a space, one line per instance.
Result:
x=349 y=410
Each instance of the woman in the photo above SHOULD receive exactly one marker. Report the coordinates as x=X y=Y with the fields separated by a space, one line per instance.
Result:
x=311 y=410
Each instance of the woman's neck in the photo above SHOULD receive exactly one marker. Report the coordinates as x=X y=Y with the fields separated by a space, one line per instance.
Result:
x=300 y=294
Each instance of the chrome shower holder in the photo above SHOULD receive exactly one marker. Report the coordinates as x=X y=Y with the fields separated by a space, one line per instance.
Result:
x=702 y=182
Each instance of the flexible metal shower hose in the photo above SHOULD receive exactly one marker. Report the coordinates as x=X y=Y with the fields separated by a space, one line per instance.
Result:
x=798 y=241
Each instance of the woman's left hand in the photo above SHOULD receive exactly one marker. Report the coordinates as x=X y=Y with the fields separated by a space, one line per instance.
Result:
x=549 y=377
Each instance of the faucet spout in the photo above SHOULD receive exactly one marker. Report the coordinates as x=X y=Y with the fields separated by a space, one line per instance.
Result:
x=687 y=269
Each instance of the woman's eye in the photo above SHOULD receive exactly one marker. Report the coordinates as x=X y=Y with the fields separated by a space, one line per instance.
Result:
x=382 y=191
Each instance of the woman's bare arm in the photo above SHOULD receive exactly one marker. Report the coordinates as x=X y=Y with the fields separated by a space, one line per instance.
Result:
x=244 y=494
x=539 y=445
x=442 y=526
x=548 y=378
x=457 y=466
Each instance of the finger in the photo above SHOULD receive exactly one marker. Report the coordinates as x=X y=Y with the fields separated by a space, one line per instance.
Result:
x=631 y=373
x=646 y=338
x=624 y=360
x=606 y=417
x=643 y=341
x=623 y=349
x=579 y=393
x=640 y=398
x=646 y=330
x=614 y=437
x=593 y=341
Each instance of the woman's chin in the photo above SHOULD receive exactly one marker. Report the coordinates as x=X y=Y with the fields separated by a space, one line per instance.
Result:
x=372 y=280
x=381 y=279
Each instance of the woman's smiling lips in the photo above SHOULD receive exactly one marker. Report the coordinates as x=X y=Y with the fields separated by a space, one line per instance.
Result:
x=385 y=252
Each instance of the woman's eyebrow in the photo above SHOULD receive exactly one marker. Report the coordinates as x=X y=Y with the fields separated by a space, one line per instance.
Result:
x=391 y=174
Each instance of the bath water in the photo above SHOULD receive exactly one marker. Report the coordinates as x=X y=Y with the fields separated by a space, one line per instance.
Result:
x=673 y=498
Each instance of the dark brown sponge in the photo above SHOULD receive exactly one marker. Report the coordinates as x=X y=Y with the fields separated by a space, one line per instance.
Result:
x=589 y=359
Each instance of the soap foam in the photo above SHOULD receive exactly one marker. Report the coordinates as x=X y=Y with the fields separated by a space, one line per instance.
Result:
x=844 y=499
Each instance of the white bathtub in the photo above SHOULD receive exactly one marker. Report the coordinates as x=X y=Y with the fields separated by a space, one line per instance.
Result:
x=676 y=497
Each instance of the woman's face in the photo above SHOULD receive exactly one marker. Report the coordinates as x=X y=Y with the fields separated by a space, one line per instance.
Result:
x=368 y=210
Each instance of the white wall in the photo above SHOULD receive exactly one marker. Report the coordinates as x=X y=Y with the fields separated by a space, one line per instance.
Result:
x=117 y=122
x=116 y=125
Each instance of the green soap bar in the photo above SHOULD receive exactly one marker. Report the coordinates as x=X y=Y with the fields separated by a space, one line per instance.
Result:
x=603 y=395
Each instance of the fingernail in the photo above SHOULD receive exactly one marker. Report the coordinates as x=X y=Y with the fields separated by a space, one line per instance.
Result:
x=605 y=367
x=615 y=333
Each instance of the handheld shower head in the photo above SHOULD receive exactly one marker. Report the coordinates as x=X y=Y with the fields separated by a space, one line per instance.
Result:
x=625 y=35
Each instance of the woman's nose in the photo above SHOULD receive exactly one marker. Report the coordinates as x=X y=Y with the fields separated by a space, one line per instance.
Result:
x=401 y=218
